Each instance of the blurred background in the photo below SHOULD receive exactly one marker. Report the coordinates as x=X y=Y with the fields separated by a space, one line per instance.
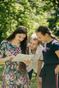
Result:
x=28 y=13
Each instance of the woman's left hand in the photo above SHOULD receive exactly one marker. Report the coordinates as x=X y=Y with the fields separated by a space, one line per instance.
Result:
x=11 y=57
x=57 y=69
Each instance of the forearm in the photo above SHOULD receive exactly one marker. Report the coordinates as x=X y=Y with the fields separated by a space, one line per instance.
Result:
x=39 y=65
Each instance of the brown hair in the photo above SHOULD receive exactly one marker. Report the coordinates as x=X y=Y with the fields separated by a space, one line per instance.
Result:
x=45 y=30
x=22 y=67
x=20 y=30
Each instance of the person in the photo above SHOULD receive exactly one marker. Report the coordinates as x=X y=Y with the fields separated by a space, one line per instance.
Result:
x=22 y=80
x=16 y=43
x=35 y=47
x=50 y=69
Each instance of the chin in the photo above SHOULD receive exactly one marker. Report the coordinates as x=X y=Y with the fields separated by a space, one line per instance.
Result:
x=21 y=40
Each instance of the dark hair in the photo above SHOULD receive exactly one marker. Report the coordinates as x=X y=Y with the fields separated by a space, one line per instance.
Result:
x=20 y=30
x=22 y=67
x=43 y=30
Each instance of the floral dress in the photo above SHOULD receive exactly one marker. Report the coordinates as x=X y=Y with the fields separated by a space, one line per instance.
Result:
x=7 y=48
x=10 y=68
x=9 y=75
x=22 y=80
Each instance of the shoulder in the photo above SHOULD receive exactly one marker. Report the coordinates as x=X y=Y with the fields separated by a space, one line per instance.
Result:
x=4 y=42
x=55 y=42
x=55 y=45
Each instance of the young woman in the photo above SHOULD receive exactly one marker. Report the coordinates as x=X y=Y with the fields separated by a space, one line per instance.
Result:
x=16 y=43
x=50 y=70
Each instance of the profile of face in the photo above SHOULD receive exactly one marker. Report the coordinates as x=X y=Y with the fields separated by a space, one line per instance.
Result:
x=33 y=44
x=41 y=37
x=20 y=37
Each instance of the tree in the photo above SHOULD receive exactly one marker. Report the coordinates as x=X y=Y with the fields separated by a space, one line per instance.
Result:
x=28 y=13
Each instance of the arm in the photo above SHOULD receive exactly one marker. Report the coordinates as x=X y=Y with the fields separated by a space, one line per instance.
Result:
x=8 y=58
x=57 y=67
x=57 y=53
x=39 y=65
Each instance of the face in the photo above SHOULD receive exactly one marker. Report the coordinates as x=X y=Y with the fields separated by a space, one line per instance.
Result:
x=41 y=37
x=20 y=37
x=33 y=44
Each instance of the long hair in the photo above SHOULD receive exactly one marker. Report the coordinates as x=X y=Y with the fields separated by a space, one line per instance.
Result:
x=20 y=30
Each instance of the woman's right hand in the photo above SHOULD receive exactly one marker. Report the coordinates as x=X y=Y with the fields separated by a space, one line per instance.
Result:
x=10 y=56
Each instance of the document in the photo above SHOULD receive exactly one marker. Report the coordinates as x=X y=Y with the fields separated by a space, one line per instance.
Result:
x=29 y=60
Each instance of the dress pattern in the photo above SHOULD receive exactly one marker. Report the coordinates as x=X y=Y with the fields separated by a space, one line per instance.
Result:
x=10 y=68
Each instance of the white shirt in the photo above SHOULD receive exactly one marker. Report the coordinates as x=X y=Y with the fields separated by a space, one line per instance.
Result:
x=37 y=56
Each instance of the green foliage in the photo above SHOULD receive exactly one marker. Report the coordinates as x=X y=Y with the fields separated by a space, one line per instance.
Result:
x=28 y=13
x=54 y=14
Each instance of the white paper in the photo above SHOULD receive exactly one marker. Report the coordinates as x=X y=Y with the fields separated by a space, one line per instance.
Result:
x=29 y=60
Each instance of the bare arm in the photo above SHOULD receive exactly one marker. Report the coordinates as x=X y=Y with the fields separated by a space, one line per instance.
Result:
x=57 y=67
x=39 y=66
x=57 y=53
x=8 y=58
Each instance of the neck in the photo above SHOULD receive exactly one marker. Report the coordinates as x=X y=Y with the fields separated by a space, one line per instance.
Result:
x=15 y=42
x=33 y=51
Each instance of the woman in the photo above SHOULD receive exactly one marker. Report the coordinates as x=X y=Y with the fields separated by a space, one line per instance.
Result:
x=16 y=43
x=17 y=40
x=50 y=70
x=35 y=47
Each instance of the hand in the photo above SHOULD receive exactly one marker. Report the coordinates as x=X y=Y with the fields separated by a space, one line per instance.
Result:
x=11 y=57
x=57 y=69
